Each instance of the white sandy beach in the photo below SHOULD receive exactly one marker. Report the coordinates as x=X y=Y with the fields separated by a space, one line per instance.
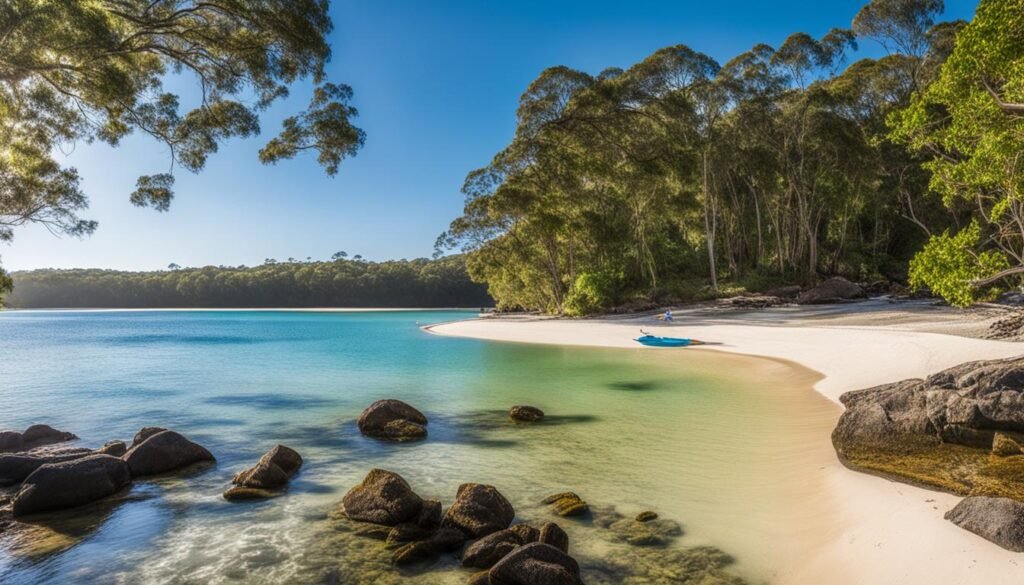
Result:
x=883 y=532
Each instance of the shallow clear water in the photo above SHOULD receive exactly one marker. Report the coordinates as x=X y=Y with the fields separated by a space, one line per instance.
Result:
x=722 y=444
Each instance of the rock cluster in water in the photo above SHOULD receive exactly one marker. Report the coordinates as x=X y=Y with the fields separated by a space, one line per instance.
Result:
x=523 y=413
x=393 y=420
x=35 y=436
x=960 y=430
x=52 y=478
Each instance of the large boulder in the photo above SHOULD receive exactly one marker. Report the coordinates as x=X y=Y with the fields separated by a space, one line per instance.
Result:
x=33 y=437
x=485 y=552
x=164 y=452
x=54 y=486
x=393 y=420
x=383 y=497
x=941 y=431
x=272 y=471
x=551 y=533
x=14 y=468
x=534 y=564
x=1000 y=520
x=479 y=510
x=833 y=290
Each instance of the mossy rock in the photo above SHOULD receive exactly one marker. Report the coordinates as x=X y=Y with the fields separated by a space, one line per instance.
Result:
x=566 y=504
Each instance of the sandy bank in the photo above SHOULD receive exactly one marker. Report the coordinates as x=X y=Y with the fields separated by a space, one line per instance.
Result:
x=883 y=532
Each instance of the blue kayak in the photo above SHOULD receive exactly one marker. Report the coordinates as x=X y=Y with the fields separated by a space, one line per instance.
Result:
x=655 y=341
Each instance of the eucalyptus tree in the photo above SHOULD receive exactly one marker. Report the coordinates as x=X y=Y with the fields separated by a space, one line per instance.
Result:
x=83 y=71
x=970 y=121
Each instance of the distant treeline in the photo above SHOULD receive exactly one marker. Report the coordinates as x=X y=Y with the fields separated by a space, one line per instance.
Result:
x=339 y=283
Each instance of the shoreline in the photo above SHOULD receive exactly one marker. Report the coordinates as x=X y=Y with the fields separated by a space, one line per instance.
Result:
x=884 y=531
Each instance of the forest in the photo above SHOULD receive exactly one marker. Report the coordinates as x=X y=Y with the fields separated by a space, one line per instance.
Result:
x=680 y=177
x=340 y=282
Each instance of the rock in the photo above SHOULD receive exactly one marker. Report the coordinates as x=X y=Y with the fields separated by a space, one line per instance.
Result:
x=534 y=564
x=238 y=494
x=272 y=471
x=526 y=533
x=164 y=452
x=940 y=432
x=145 y=433
x=479 y=510
x=525 y=413
x=383 y=497
x=1004 y=445
x=393 y=420
x=833 y=290
x=1000 y=520
x=485 y=552
x=651 y=533
x=33 y=437
x=481 y=578
x=430 y=515
x=441 y=541
x=646 y=516
x=448 y=539
x=113 y=448
x=784 y=292
x=54 y=486
x=566 y=504
x=552 y=534
x=15 y=468
x=405 y=532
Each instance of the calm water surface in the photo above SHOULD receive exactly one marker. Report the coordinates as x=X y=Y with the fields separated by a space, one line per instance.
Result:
x=722 y=444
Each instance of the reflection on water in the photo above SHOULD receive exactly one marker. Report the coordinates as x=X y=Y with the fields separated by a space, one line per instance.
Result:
x=724 y=445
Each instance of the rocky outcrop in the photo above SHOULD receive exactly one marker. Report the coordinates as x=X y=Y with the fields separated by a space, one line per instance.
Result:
x=566 y=504
x=941 y=431
x=393 y=420
x=479 y=510
x=164 y=452
x=383 y=497
x=1000 y=520
x=485 y=552
x=833 y=290
x=33 y=437
x=271 y=472
x=54 y=486
x=536 y=563
x=523 y=413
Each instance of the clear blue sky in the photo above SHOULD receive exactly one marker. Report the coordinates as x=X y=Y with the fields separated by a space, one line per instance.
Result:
x=436 y=84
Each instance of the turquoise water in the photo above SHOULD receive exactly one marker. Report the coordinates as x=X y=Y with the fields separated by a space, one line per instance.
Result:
x=716 y=443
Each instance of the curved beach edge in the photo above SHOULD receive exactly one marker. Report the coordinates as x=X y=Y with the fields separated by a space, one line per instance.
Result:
x=883 y=532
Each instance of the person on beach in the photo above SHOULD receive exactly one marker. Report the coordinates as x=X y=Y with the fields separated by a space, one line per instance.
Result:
x=668 y=316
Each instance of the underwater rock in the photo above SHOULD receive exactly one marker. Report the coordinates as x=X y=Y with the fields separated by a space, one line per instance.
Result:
x=440 y=541
x=1000 y=520
x=404 y=533
x=67 y=484
x=392 y=420
x=704 y=565
x=833 y=290
x=646 y=516
x=525 y=413
x=536 y=563
x=271 y=472
x=485 y=552
x=164 y=452
x=656 y=532
x=383 y=497
x=479 y=510
x=939 y=432
x=34 y=436
x=239 y=493
x=566 y=504
x=551 y=533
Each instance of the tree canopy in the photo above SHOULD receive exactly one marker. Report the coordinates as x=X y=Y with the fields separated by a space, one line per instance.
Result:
x=95 y=70
x=338 y=283
x=679 y=176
